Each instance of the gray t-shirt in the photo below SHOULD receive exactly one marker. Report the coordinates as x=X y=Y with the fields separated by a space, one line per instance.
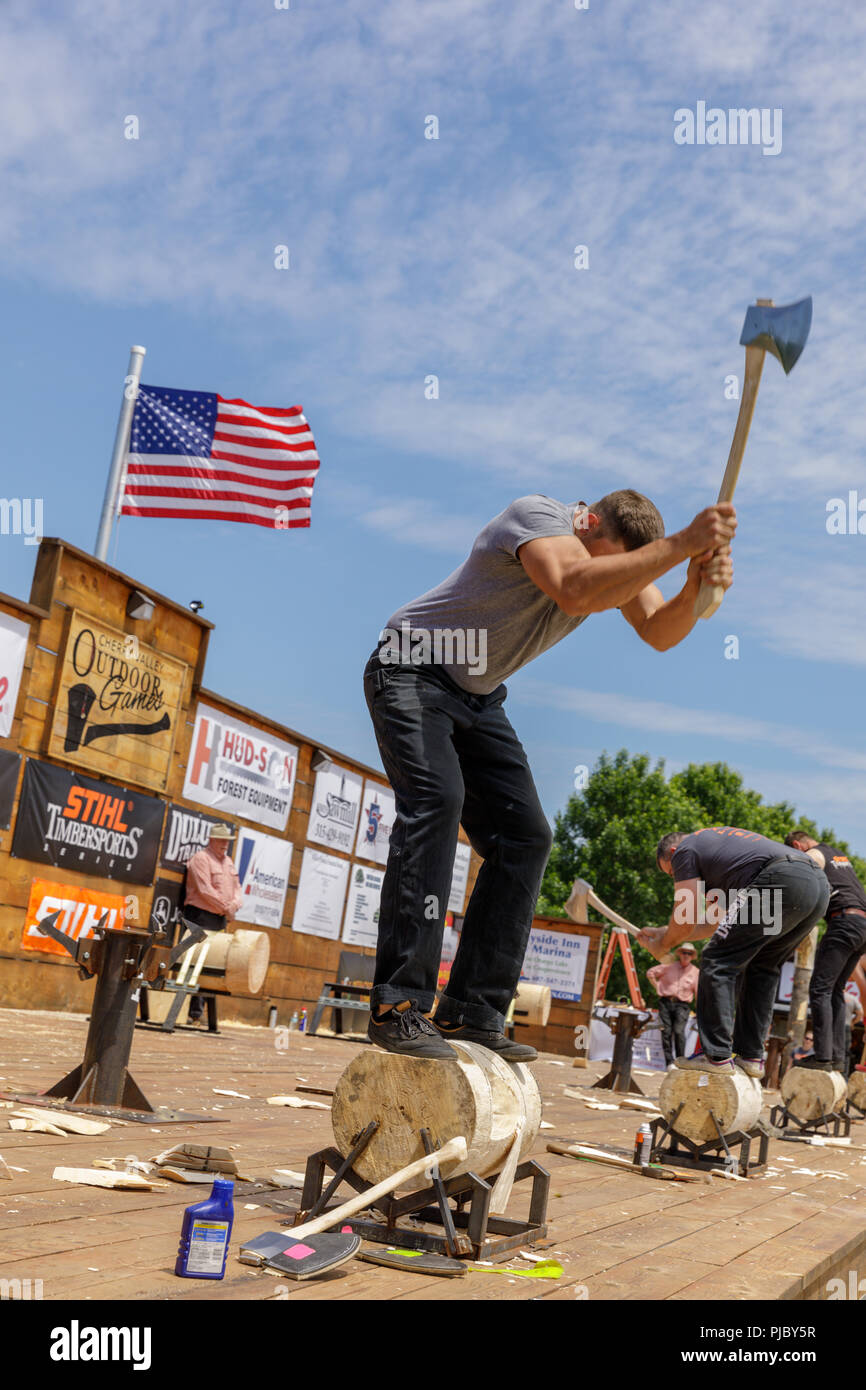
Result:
x=487 y=619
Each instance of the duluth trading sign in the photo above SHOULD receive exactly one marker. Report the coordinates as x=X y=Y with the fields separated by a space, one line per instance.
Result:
x=117 y=703
x=186 y=832
x=76 y=823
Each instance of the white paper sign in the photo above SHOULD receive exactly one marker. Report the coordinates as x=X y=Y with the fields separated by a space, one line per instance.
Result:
x=361 y=926
x=459 y=878
x=648 y=1050
x=335 y=809
x=321 y=892
x=557 y=960
x=240 y=770
x=13 y=649
x=263 y=864
x=378 y=810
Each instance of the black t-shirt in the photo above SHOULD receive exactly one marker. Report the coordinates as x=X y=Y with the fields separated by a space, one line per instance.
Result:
x=846 y=890
x=726 y=858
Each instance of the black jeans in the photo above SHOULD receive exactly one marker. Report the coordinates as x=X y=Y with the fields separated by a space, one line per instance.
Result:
x=453 y=758
x=673 y=1017
x=741 y=962
x=839 y=950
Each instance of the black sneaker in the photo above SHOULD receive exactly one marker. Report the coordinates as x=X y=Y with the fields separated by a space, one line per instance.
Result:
x=405 y=1030
x=496 y=1042
x=813 y=1063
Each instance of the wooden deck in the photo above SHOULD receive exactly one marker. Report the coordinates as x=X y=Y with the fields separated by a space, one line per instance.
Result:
x=617 y=1235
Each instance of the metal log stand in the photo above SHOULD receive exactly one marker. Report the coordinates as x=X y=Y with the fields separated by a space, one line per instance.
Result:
x=626 y=1024
x=486 y=1234
x=121 y=961
x=731 y=1151
x=836 y=1123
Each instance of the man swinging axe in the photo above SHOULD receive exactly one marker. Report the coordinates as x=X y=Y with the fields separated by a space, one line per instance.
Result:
x=839 y=950
x=756 y=900
x=434 y=689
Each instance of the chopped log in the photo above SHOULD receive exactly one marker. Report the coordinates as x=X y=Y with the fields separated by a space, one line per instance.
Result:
x=96 y=1177
x=480 y=1096
x=857 y=1089
x=36 y=1126
x=236 y=962
x=73 y=1124
x=297 y=1103
x=532 y=1003
x=810 y=1094
x=733 y=1097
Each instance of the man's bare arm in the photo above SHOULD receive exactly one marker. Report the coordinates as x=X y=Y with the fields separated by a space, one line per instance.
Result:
x=688 y=921
x=663 y=624
x=580 y=583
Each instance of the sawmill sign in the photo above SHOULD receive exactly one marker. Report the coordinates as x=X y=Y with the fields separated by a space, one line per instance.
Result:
x=117 y=703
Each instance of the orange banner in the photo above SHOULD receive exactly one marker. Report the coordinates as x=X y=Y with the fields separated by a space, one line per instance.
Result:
x=80 y=909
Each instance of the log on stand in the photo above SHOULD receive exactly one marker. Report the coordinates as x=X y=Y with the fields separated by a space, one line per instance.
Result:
x=811 y=1101
x=388 y=1110
x=734 y=1098
x=481 y=1097
x=709 y=1119
x=857 y=1092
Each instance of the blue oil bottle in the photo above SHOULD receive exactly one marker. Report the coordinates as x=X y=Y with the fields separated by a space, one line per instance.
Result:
x=204 y=1236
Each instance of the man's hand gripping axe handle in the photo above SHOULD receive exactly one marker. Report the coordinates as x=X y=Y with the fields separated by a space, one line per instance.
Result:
x=783 y=332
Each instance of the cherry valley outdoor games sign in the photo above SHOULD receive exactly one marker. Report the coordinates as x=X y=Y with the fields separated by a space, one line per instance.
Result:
x=94 y=827
x=117 y=703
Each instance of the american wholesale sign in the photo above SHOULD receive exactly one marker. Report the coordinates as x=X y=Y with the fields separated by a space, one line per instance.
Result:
x=239 y=770
x=74 y=822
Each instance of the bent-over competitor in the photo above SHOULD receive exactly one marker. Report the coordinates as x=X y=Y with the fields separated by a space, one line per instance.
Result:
x=756 y=899
x=434 y=690
x=839 y=950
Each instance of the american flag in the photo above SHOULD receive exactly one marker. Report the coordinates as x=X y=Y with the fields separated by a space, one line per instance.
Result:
x=197 y=455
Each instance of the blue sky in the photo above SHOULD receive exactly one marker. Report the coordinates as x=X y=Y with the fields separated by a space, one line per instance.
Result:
x=455 y=257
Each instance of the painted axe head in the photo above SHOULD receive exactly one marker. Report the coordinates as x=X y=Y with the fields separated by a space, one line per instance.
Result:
x=782 y=331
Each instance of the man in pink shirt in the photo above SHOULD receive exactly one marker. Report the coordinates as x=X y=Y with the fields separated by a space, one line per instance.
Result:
x=675 y=984
x=213 y=892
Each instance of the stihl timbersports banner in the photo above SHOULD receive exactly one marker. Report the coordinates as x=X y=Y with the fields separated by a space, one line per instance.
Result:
x=92 y=827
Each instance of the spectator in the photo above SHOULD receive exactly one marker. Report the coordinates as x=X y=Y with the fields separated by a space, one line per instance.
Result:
x=675 y=984
x=213 y=893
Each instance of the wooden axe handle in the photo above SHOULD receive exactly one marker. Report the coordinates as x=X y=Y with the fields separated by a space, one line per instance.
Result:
x=593 y=898
x=711 y=595
x=455 y=1148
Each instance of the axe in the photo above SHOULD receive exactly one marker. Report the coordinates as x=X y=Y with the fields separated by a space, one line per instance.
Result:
x=783 y=332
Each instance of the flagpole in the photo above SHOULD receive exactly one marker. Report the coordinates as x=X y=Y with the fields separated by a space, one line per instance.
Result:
x=121 y=443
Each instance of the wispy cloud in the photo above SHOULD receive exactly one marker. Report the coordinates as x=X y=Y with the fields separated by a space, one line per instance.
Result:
x=657 y=716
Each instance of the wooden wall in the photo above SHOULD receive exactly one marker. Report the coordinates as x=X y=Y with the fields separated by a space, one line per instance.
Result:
x=68 y=579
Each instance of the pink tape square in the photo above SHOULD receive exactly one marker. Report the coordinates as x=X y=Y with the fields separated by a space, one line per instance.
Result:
x=299 y=1251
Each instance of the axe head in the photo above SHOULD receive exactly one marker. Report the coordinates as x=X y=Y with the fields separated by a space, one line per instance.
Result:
x=782 y=331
